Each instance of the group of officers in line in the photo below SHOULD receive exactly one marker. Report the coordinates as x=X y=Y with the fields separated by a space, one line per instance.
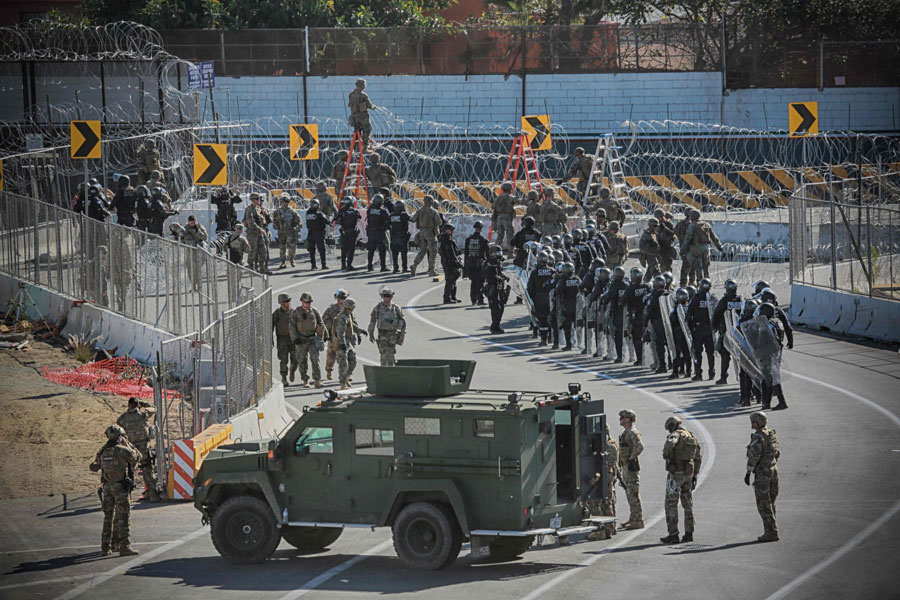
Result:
x=682 y=454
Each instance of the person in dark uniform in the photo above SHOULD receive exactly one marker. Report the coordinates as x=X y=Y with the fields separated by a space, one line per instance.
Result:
x=347 y=217
x=653 y=315
x=449 y=253
x=377 y=224
x=494 y=284
x=565 y=286
x=399 y=236
x=142 y=207
x=540 y=296
x=527 y=234
x=681 y=362
x=125 y=202
x=699 y=320
x=316 y=227
x=635 y=297
x=159 y=212
x=474 y=253
x=226 y=213
x=615 y=298
x=730 y=301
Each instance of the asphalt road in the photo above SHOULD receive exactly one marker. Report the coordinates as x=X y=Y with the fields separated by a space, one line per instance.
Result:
x=837 y=510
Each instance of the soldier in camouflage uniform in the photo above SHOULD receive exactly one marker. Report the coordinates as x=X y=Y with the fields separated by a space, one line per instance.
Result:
x=533 y=208
x=256 y=224
x=688 y=274
x=381 y=176
x=288 y=224
x=665 y=235
x=281 y=324
x=762 y=456
x=387 y=317
x=630 y=448
x=581 y=169
x=682 y=455
x=612 y=208
x=607 y=506
x=194 y=236
x=553 y=220
x=116 y=460
x=696 y=243
x=360 y=105
x=328 y=317
x=338 y=169
x=307 y=336
x=347 y=337
x=504 y=211
x=148 y=160
x=650 y=250
x=618 y=246
x=326 y=204
x=137 y=422
x=428 y=221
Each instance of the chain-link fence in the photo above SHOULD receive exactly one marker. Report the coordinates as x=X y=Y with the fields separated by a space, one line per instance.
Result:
x=157 y=281
x=845 y=235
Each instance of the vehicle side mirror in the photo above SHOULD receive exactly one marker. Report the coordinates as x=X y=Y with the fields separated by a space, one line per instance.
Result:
x=301 y=450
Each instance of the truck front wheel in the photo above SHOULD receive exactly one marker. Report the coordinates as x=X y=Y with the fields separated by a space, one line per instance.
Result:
x=310 y=539
x=244 y=530
x=426 y=536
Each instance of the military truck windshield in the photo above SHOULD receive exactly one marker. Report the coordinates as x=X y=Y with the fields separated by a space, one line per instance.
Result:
x=315 y=440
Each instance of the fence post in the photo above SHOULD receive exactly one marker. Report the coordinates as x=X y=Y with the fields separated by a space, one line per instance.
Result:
x=833 y=255
x=821 y=71
x=255 y=352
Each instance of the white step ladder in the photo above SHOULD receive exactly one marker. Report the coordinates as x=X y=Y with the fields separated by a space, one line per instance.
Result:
x=607 y=163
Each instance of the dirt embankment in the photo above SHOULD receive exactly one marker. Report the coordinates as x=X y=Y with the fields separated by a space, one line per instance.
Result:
x=49 y=433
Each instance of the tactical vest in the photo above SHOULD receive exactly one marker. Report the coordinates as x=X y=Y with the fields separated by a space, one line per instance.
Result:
x=387 y=318
x=612 y=454
x=282 y=321
x=306 y=321
x=113 y=466
x=770 y=451
x=626 y=448
x=685 y=449
x=703 y=233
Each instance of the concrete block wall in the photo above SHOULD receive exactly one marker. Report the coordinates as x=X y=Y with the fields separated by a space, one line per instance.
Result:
x=583 y=105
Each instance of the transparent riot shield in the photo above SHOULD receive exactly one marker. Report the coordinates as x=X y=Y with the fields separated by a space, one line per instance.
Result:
x=665 y=308
x=765 y=347
x=681 y=311
x=740 y=349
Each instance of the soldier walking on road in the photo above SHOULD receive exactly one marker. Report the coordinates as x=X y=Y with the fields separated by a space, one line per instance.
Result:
x=256 y=224
x=360 y=105
x=428 y=221
x=194 y=236
x=388 y=319
x=630 y=448
x=682 y=455
x=307 y=338
x=762 y=457
x=288 y=224
x=137 y=422
x=281 y=324
x=347 y=338
x=237 y=244
x=688 y=274
x=608 y=504
x=116 y=461
x=665 y=235
x=328 y=318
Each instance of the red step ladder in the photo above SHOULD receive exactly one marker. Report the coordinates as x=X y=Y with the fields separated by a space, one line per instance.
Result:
x=360 y=184
x=522 y=154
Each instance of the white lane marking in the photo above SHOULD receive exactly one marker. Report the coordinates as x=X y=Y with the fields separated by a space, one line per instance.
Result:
x=45 y=582
x=304 y=281
x=336 y=570
x=837 y=555
x=855 y=396
x=137 y=561
x=707 y=464
x=35 y=550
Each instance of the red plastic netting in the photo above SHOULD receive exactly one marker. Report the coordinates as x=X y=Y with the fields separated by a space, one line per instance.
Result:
x=119 y=375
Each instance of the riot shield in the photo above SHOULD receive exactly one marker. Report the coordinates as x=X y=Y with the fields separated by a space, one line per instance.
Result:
x=740 y=350
x=765 y=347
x=520 y=282
x=711 y=302
x=665 y=308
x=681 y=311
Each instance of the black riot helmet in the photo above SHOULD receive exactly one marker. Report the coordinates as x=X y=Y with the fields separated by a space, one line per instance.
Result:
x=568 y=268
x=759 y=286
x=377 y=200
x=618 y=274
x=705 y=285
x=495 y=249
x=597 y=263
x=767 y=295
x=731 y=286
x=577 y=235
x=682 y=295
x=602 y=274
x=637 y=274
x=528 y=222
x=691 y=290
x=543 y=258
x=750 y=307
x=313 y=205
x=399 y=207
x=557 y=241
x=142 y=191
x=767 y=310
x=659 y=282
x=567 y=240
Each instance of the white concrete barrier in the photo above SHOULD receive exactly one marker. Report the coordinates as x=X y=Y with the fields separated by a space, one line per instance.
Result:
x=267 y=419
x=845 y=313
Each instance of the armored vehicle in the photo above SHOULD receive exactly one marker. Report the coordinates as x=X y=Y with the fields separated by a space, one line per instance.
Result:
x=422 y=453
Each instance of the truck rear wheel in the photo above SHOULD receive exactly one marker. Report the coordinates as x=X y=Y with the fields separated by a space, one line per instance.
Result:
x=310 y=539
x=508 y=548
x=244 y=530
x=426 y=536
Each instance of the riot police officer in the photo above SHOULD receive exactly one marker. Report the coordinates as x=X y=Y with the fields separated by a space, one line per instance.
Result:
x=348 y=217
x=316 y=230
x=449 y=253
x=377 y=225
x=495 y=288
x=699 y=320
x=474 y=253
x=730 y=301
x=527 y=234
x=565 y=290
x=125 y=202
x=615 y=298
x=399 y=236
x=654 y=316
x=540 y=295
x=635 y=297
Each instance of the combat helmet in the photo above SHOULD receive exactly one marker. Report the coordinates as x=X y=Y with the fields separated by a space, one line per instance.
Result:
x=386 y=292
x=506 y=186
x=114 y=432
x=341 y=294
x=637 y=274
x=568 y=268
x=282 y=298
x=682 y=295
x=528 y=222
x=672 y=422
x=350 y=303
x=659 y=282
x=628 y=413
x=618 y=273
x=759 y=417
x=306 y=297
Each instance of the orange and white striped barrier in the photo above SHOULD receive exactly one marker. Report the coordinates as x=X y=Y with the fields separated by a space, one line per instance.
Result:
x=188 y=455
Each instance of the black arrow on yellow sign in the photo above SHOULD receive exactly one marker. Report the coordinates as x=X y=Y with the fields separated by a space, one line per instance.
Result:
x=306 y=142
x=213 y=174
x=541 y=132
x=86 y=136
x=807 y=117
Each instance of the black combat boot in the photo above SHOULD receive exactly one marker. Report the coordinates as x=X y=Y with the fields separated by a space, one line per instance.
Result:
x=672 y=538
x=687 y=537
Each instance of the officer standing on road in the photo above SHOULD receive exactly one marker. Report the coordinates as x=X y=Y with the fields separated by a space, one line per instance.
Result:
x=504 y=211
x=256 y=224
x=665 y=235
x=194 y=236
x=540 y=294
x=527 y=234
x=328 y=318
x=138 y=425
x=681 y=362
x=348 y=217
x=474 y=253
x=399 y=236
x=688 y=274
x=608 y=504
x=360 y=105
x=307 y=339
x=630 y=448
x=682 y=455
x=494 y=285
x=347 y=337
x=449 y=253
x=635 y=297
x=288 y=224
x=226 y=214
x=377 y=224
x=281 y=324
x=116 y=461
x=699 y=320
x=237 y=244
x=316 y=227
x=730 y=301
x=428 y=221
x=125 y=202
x=615 y=298
x=654 y=316
x=762 y=457
x=565 y=288
x=388 y=319
x=618 y=246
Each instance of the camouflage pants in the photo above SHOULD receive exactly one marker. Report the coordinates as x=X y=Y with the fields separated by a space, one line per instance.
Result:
x=287 y=246
x=505 y=231
x=346 y=361
x=285 y=354
x=633 y=494
x=688 y=272
x=652 y=269
x=427 y=247
x=116 y=510
x=259 y=253
x=608 y=504
x=765 y=487
x=306 y=347
x=678 y=486
x=702 y=266
x=387 y=347
x=192 y=262
x=331 y=353
x=146 y=465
